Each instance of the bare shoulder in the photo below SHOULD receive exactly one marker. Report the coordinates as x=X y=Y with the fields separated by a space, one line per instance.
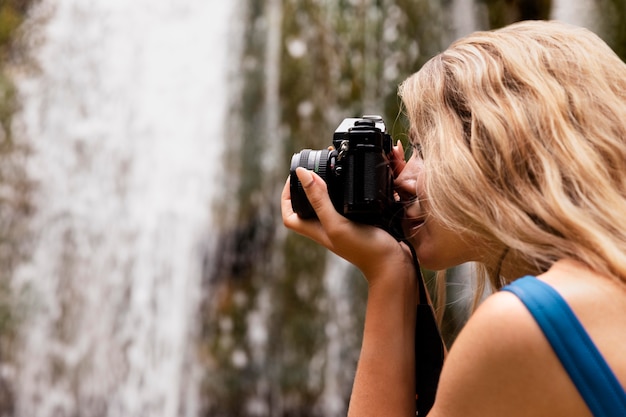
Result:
x=599 y=303
x=501 y=364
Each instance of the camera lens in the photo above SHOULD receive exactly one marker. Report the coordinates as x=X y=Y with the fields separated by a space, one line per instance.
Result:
x=321 y=162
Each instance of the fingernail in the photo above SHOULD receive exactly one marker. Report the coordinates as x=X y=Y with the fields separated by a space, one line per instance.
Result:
x=305 y=177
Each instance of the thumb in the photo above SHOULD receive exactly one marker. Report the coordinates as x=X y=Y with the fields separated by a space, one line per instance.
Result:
x=316 y=192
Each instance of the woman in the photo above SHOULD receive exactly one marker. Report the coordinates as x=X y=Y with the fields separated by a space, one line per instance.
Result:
x=519 y=166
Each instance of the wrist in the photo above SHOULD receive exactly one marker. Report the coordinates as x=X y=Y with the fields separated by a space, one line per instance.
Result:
x=397 y=271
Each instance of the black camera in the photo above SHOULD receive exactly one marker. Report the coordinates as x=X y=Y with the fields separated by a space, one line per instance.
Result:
x=357 y=171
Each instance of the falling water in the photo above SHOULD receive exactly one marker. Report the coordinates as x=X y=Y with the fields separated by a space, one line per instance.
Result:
x=123 y=106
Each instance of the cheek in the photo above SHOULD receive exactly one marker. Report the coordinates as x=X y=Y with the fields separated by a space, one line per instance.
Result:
x=437 y=247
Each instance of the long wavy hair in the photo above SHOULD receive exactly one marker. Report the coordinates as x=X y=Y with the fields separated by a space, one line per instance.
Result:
x=523 y=134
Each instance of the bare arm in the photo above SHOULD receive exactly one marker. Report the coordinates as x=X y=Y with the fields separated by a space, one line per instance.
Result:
x=384 y=384
x=385 y=380
x=502 y=365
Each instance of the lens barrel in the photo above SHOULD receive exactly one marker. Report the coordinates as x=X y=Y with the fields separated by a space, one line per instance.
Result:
x=319 y=161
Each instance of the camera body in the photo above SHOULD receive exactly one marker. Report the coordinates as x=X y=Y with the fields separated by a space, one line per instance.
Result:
x=356 y=170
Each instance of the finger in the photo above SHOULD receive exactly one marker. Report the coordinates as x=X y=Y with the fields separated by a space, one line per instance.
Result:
x=285 y=200
x=290 y=218
x=399 y=149
x=316 y=191
x=310 y=227
x=398 y=162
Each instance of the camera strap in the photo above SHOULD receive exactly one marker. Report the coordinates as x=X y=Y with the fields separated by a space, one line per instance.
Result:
x=429 y=347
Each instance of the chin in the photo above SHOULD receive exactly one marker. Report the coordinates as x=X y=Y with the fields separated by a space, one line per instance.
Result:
x=426 y=258
x=431 y=258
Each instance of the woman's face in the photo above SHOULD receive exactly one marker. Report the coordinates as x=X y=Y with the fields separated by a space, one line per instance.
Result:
x=437 y=247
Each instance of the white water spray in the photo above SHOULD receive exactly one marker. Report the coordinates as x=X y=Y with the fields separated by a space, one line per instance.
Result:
x=125 y=116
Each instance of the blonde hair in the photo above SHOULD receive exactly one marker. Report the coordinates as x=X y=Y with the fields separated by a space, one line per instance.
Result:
x=523 y=133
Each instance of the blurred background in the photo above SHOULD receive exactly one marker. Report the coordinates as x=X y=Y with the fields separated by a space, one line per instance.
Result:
x=144 y=268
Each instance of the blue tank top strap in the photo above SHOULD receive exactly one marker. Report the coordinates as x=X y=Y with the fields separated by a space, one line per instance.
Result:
x=585 y=365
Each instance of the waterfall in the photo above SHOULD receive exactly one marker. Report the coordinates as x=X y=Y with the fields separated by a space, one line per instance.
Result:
x=123 y=108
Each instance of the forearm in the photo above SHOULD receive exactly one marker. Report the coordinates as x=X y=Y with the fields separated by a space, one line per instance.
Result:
x=385 y=379
x=384 y=385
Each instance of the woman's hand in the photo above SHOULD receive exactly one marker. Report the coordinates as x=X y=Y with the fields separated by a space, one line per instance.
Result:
x=369 y=248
